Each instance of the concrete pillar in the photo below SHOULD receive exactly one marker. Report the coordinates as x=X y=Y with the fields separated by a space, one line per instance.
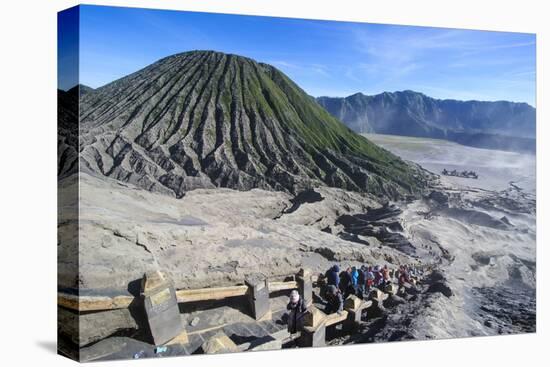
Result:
x=305 y=286
x=161 y=308
x=377 y=297
x=313 y=336
x=314 y=331
x=258 y=296
x=353 y=320
x=354 y=306
x=390 y=289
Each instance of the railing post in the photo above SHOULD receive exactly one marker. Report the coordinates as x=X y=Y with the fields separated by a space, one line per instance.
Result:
x=354 y=306
x=378 y=297
x=390 y=289
x=161 y=308
x=258 y=296
x=305 y=286
x=314 y=331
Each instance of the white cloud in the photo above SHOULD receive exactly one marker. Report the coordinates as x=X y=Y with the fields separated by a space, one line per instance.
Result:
x=302 y=69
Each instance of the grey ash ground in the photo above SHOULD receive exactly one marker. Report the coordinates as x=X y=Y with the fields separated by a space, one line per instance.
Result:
x=211 y=167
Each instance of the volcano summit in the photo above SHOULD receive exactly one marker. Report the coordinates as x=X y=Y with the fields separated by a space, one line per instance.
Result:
x=205 y=119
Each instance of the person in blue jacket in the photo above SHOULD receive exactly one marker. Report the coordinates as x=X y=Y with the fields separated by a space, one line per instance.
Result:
x=332 y=276
x=354 y=277
x=361 y=281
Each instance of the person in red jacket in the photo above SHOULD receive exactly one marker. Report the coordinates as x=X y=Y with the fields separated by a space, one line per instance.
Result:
x=386 y=274
x=403 y=276
x=370 y=280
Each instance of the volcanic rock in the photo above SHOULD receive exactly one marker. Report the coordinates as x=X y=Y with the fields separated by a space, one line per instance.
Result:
x=206 y=119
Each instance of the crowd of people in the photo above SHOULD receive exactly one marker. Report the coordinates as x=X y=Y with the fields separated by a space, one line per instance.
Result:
x=360 y=281
x=337 y=285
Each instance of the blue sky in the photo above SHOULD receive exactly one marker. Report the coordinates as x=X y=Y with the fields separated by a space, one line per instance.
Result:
x=323 y=57
x=67 y=54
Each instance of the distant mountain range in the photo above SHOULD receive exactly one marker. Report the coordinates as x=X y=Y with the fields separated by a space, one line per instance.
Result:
x=494 y=125
x=205 y=119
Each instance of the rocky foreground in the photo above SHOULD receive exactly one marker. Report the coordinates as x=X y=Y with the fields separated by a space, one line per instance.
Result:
x=483 y=242
x=213 y=236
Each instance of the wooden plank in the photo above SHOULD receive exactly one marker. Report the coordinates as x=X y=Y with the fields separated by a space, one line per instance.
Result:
x=334 y=318
x=93 y=303
x=102 y=303
x=281 y=286
x=208 y=294
x=217 y=293
x=67 y=300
